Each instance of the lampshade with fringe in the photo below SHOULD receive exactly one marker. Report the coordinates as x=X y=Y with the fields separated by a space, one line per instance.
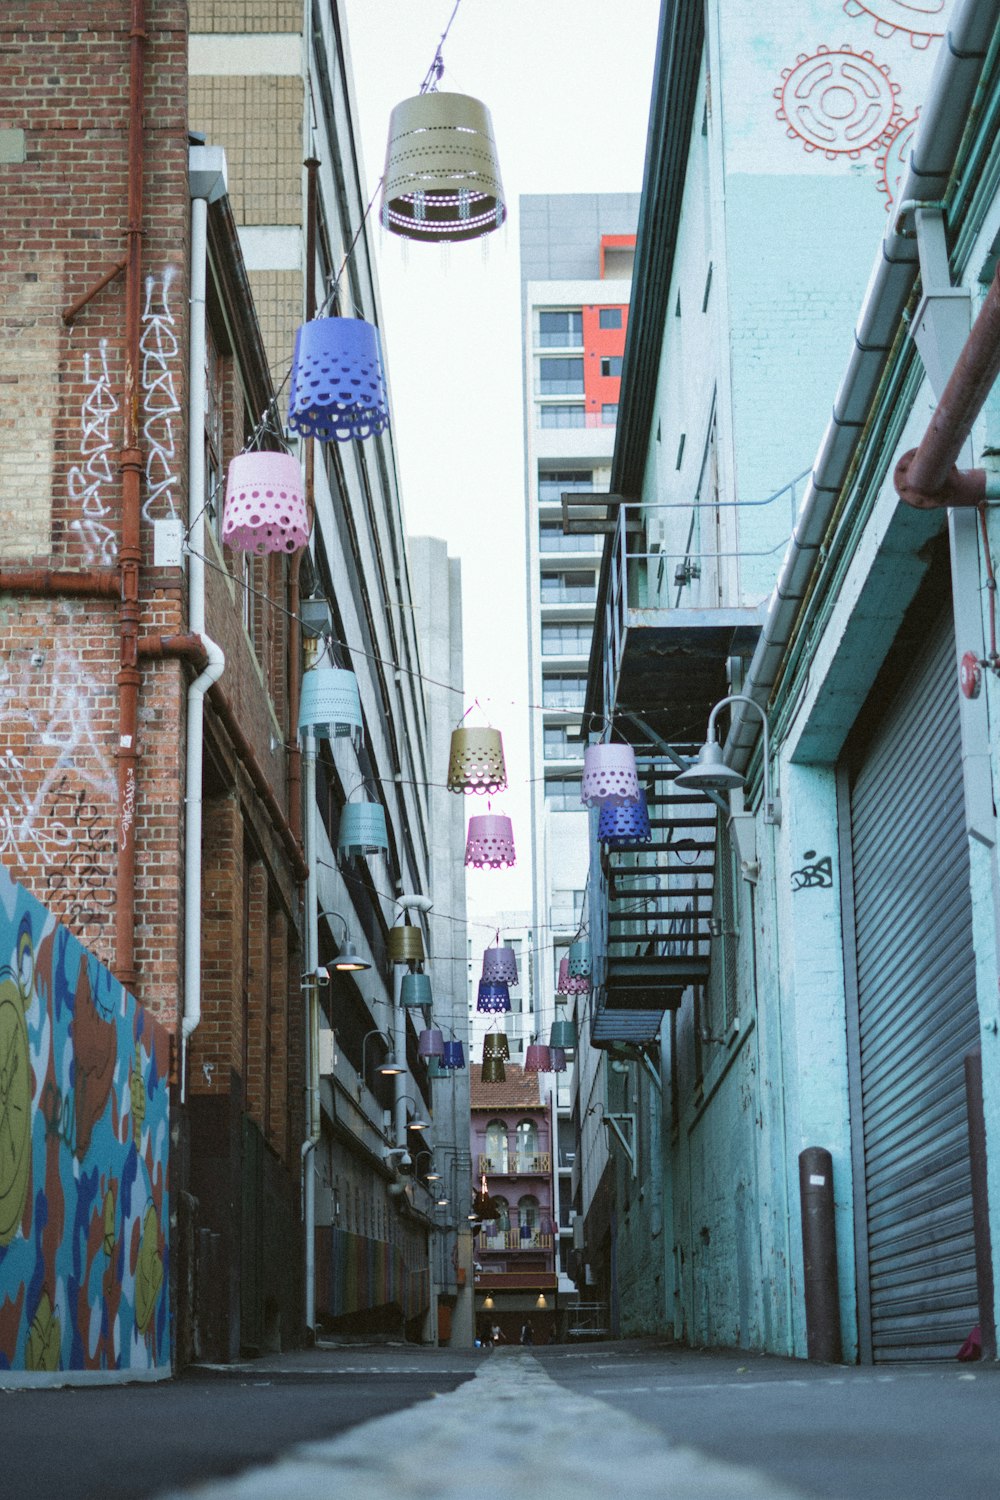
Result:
x=442 y=178
x=493 y=996
x=609 y=775
x=337 y=386
x=500 y=963
x=490 y=843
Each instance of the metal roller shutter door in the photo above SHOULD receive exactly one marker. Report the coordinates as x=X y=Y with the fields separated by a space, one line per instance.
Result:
x=917 y=1013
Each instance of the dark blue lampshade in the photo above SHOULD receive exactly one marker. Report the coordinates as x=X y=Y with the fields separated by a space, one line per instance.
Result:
x=627 y=824
x=526 y=1231
x=493 y=997
x=454 y=1055
x=338 y=389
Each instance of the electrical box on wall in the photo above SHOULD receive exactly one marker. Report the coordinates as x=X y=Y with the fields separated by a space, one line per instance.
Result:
x=327 y=1053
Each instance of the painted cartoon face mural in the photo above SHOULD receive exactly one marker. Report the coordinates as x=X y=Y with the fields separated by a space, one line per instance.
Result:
x=84 y=1133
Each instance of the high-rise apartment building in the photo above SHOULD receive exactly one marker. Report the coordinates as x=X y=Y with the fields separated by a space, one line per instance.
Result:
x=576 y=264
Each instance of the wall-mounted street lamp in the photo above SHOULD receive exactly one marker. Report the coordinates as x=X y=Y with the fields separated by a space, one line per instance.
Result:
x=418 y=1122
x=390 y=1066
x=709 y=772
x=348 y=960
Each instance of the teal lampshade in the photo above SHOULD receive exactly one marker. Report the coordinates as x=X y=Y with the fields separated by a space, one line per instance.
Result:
x=580 y=961
x=363 y=829
x=330 y=704
x=563 y=1034
x=415 y=990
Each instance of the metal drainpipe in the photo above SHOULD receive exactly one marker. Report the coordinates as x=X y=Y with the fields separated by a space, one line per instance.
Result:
x=399 y=1048
x=311 y=1028
x=207 y=178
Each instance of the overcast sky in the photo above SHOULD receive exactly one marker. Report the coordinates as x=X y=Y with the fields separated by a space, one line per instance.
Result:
x=567 y=83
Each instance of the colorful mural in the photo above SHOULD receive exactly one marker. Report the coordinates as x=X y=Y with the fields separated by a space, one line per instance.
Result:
x=84 y=1140
x=355 y=1273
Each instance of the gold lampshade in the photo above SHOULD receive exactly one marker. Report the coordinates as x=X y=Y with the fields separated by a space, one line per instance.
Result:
x=495 y=1044
x=493 y=1070
x=406 y=944
x=442 y=178
x=476 y=763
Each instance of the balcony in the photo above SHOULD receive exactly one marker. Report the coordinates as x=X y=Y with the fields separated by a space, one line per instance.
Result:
x=517 y=1164
x=512 y=1281
x=509 y=1240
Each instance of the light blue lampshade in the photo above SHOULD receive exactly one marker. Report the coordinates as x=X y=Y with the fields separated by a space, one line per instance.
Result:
x=580 y=962
x=493 y=996
x=563 y=1034
x=627 y=824
x=337 y=389
x=415 y=990
x=362 y=829
x=330 y=704
x=437 y=1067
x=454 y=1055
x=430 y=1043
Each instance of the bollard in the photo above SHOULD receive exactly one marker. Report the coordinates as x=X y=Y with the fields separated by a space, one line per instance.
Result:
x=819 y=1256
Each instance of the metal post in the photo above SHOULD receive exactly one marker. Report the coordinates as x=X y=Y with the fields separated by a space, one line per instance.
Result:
x=980 y=1203
x=819 y=1256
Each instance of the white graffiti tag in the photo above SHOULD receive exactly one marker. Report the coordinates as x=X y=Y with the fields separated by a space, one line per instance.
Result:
x=159 y=348
x=89 y=480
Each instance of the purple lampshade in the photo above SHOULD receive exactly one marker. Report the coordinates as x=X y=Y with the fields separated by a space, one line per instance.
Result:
x=500 y=963
x=430 y=1043
x=537 y=1059
x=337 y=388
x=571 y=984
x=609 y=775
x=493 y=996
x=265 y=508
x=490 y=844
x=621 y=827
x=454 y=1055
x=558 y=1059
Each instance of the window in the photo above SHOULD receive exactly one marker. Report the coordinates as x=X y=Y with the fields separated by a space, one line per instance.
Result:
x=568 y=588
x=566 y=640
x=611 y=364
x=562 y=793
x=562 y=415
x=559 y=746
x=560 y=377
x=527 y=1138
x=496 y=1145
x=610 y=317
x=552 y=482
x=609 y=413
x=527 y=1214
x=565 y=690
x=552 y=539
x=560 y=330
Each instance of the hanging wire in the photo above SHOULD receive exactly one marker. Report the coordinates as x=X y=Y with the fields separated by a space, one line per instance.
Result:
x=436 y=70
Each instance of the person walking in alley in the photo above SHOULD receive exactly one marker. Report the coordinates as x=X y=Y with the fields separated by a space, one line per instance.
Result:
x=527 y=1333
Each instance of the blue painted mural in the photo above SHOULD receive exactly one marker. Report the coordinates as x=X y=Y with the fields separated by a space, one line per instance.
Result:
x=84 y=1140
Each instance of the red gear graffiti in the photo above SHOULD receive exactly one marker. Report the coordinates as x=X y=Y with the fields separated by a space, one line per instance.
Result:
x=892 y=163
x=921 y=20
x=838 y=102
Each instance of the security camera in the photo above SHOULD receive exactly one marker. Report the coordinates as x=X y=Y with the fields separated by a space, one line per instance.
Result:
x=322 y=974
x=405 y=1159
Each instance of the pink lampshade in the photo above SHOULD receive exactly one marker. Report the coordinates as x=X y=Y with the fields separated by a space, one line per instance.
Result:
x=570 y=984
x=537 y=1059
x=609 y=775
x=490 y=844
x=265 y=508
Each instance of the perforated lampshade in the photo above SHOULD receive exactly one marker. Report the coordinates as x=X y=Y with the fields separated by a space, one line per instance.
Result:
x=570 y=984
x=609 y=775
x=265 y=509
x=495 y=1044
x=500 y=963
x=442 y=178
x=406 y=945
x=330 y=704
x=476 y=762
x=436 y=1068
x=490 y=844
x=493 y=1070
x=563 y=1034
x=493 y=996
x=557 y=1056
x=579 y=958
x=415 y=990
x=627 y=824
x=362 y=829
x=337 y=388
x=430 y=1043
x=454 y=1056
x=537 y=1059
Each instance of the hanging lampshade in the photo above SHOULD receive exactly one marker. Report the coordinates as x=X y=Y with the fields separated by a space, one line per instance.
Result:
x=493 y=996
x=363 y=830
x=442 y=178
x=415 y=990
x=570 y=984
x=476 y=761
x=430 y=1043
x=525 y=1231
x=557 y=1059
x=406 y=945
x=609 y=775
x=337 y=387
x=563 y=1034
x=580 y=962
x=495 y=1044
x=437 y=1067
x=330 y=704
x=265 y=509
x=493 y=1070
x=454 y=1056
x=500 y=963
x=537 y=1059
x=490 y=844
x=623 y=826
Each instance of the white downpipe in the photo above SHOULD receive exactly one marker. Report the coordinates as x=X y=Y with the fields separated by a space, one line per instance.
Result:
x=205 y=186
x=311 y=1028
x=402 y=1080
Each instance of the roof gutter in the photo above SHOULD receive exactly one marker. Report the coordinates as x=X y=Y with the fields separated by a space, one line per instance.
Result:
x=943 y=121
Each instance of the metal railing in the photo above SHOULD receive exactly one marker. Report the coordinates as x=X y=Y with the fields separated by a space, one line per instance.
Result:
x=510 y=1239
x=516 y=1163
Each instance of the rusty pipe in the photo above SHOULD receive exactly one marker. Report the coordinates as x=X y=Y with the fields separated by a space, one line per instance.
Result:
x=129 y=553
x=69 y=313
x=189 y=648
x=90 y=583
x=927 y=477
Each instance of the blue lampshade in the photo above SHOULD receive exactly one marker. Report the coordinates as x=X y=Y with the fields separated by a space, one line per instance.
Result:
x=362 y=829
x=627 y=824
x=330 y=704
x=454 y=1055
x=493 y=996
x=338 y=389
x=415 y=990
x=557 y=1056
x=525 y=1231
